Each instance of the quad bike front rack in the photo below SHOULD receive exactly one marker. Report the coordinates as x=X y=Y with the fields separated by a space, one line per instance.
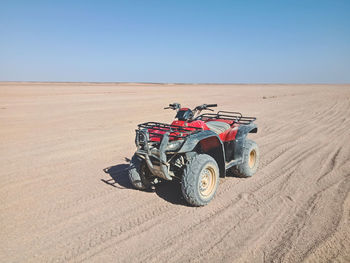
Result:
x=158 y=129
x=159 y=133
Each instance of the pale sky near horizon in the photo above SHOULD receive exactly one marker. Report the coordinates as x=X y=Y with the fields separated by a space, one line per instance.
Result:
x=176 y=41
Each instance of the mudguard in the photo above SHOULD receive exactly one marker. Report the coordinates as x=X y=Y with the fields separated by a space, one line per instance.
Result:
x=192 y=140
x=241 y=135
x=206 y=137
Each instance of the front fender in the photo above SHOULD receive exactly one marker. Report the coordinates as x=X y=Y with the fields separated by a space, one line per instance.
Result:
x=192 y=140
x=209 y=143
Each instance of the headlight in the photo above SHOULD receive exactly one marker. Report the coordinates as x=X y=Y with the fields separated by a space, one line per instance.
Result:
x=174 y=145
x=141 y=138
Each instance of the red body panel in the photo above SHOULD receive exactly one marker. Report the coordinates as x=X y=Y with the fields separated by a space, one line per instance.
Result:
x=228 y=135
x=198 y=124
x=207 y=144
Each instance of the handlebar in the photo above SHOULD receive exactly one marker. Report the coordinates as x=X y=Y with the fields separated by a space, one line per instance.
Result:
x=196 y=111
x=205 y=107
x=173 y=106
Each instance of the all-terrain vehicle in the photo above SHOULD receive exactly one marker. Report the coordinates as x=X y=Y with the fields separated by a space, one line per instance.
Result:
x=195 y=149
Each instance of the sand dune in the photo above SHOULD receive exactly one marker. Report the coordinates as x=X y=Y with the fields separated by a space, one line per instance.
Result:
x=58 y=204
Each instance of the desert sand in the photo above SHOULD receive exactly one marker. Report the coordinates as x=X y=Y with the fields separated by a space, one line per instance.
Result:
x=60 y=204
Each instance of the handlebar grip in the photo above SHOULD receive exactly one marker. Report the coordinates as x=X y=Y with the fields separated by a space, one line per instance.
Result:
x=212 y=105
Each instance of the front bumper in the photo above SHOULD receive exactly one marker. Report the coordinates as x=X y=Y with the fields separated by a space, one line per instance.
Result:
x=145 y=152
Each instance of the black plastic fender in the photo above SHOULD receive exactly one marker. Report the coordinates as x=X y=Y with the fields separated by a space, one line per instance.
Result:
x=241 y=135
x=207 y=137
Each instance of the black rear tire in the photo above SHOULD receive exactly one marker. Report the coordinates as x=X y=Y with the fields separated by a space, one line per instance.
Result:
x=200 y=180
x=250 y=160
x=138 y=173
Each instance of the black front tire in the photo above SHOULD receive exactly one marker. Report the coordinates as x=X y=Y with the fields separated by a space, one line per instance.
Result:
x=250 y=163
x=138 y=173
x=200 y=180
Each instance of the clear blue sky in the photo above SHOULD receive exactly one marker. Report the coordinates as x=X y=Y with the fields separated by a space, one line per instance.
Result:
x=246 y=41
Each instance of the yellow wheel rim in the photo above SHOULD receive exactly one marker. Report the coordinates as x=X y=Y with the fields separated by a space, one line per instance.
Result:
x=207 y=181
x=252 y=159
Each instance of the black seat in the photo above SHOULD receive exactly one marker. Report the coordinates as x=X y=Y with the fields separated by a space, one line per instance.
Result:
x=218 y=126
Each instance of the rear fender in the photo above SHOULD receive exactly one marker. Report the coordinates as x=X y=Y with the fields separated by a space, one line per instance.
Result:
x=209 y=143
x=241 y=136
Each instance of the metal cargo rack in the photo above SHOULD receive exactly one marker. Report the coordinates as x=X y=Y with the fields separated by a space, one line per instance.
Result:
x=235 y=117
x=175 y=131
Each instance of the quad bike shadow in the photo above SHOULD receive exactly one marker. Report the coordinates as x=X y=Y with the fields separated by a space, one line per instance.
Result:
x=118 y=176
x=169 y=191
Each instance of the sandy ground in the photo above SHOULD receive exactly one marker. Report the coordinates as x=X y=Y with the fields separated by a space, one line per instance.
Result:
x=58 y=205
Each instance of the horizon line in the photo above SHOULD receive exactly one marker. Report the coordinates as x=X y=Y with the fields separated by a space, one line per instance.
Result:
x=176 y=83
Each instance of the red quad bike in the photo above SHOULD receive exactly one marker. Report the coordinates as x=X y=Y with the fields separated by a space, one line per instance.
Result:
x=195 y=149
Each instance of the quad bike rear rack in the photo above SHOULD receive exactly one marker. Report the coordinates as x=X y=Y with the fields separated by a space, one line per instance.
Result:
x=235 y=117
